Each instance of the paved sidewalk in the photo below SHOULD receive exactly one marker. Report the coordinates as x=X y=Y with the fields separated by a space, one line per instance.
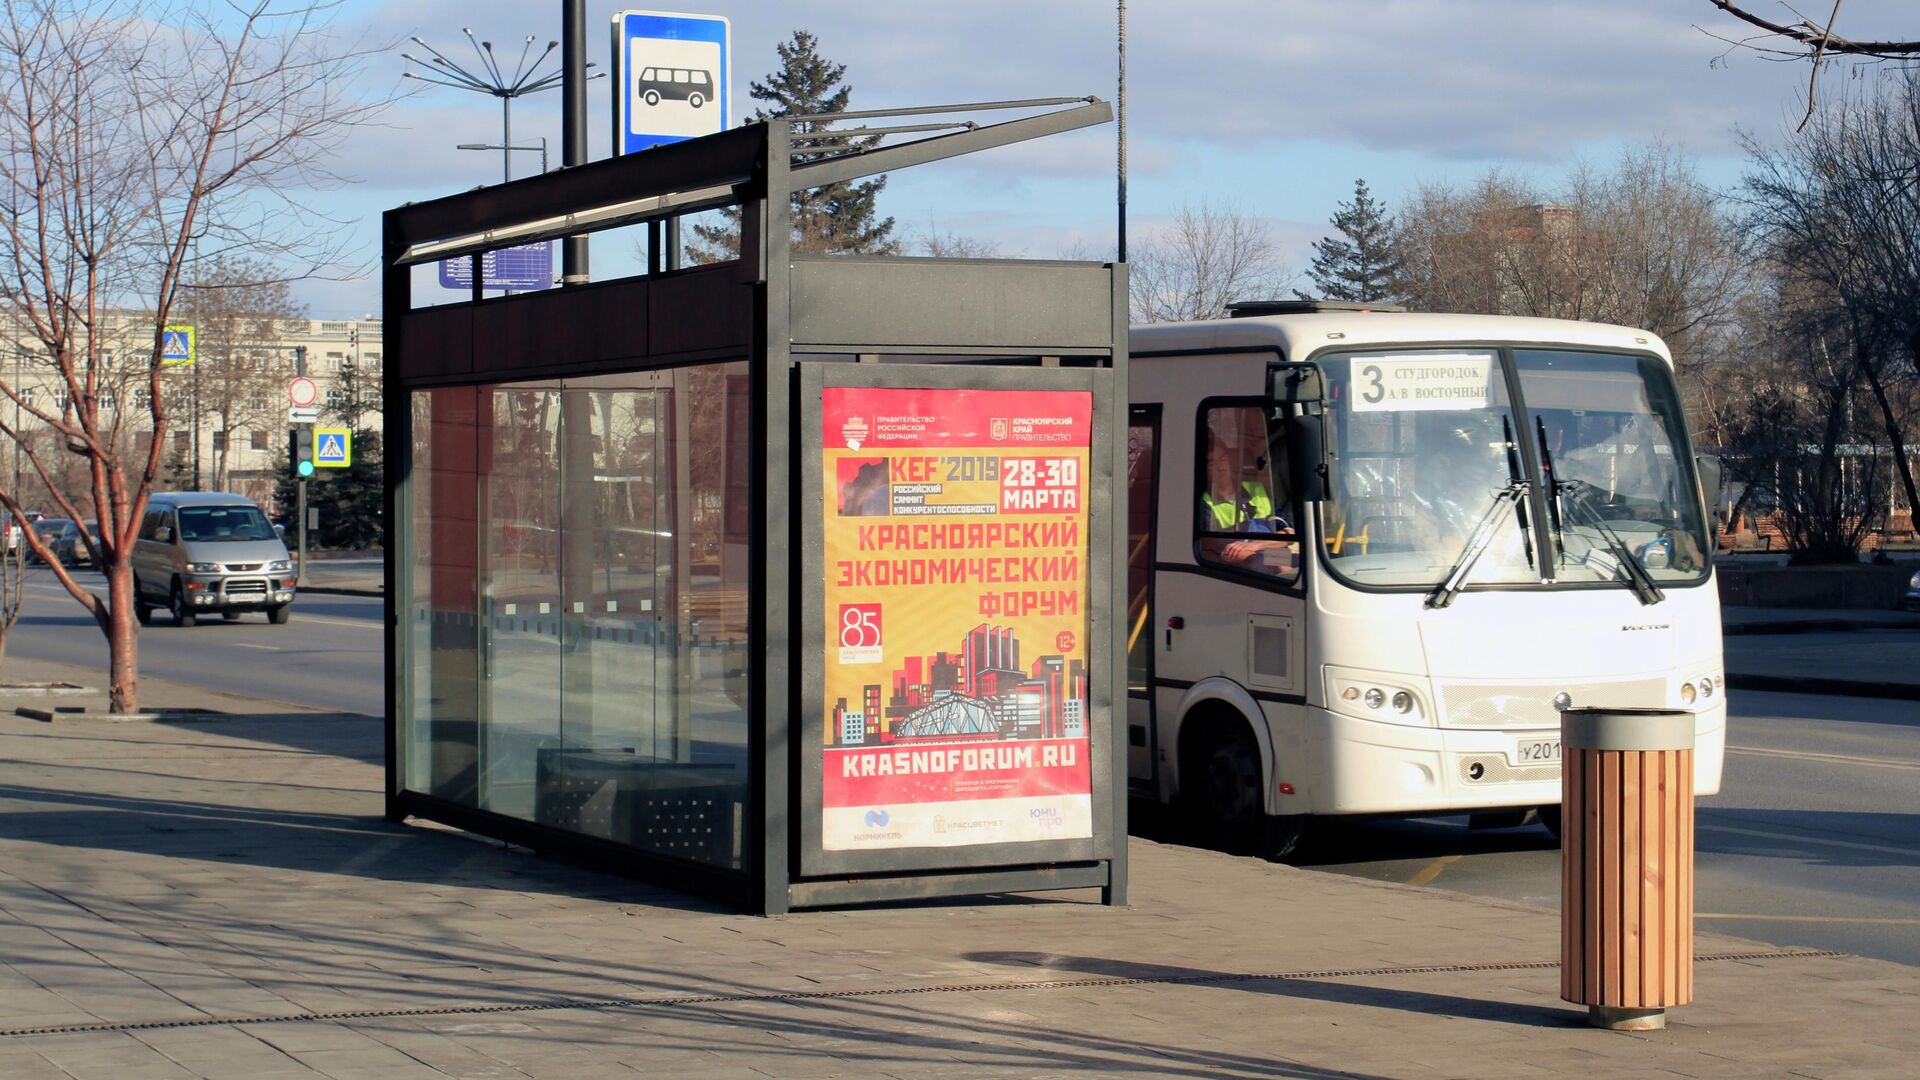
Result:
x=350 y=573
x=220 y=899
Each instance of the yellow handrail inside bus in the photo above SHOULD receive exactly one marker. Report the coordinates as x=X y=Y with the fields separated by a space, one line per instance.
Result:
x=1140 y=623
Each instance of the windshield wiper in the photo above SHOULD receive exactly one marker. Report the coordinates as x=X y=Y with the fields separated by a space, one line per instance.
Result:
x=1643 y=584
x=1553 y=485
x=1449 y=587
x=1516 y=492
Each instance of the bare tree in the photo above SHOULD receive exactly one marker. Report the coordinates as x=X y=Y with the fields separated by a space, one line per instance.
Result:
x=1838 y=204
x=1205 y=258
x=947 y=244
x=1642 y=244
x=1810 y=41
x=138 y=141
x=236 y=308
x=13 y=579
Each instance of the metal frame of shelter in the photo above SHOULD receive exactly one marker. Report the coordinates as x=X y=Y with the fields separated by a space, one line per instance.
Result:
x=800 y=321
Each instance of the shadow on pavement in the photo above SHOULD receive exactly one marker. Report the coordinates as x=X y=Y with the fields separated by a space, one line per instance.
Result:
x=318 y=842
x=1879 y=839
x=1337 y=993
x=1344 y=840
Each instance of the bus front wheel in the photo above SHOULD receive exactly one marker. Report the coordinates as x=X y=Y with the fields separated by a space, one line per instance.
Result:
x=1223 y=795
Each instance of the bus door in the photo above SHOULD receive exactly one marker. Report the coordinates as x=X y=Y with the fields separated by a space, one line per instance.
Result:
x=1238 y=611
x=1143 y=469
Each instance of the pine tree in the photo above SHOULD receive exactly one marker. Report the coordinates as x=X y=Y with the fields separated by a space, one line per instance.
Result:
x=1360 y=265
x=838 y=217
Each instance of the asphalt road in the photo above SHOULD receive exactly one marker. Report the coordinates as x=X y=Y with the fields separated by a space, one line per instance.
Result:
x=328 y=656
x=1814 y=839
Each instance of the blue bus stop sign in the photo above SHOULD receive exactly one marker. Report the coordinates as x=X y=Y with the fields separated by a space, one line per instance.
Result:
x=670 y=78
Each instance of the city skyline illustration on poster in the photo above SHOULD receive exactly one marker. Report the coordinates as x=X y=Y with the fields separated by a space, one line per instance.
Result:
x=955 y=668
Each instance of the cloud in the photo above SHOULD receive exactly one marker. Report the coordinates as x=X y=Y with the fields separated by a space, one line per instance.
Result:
x=1226 y=98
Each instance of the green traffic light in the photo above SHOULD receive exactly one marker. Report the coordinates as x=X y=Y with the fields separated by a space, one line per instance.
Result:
x=306 y=468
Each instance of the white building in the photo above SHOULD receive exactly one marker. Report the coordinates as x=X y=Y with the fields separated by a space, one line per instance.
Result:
x=236 y=439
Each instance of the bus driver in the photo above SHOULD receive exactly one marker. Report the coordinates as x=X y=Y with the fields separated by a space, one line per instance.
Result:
x=1245 y=526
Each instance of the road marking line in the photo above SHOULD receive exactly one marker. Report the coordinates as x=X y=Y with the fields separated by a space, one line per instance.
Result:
x=372 y=623
x=1809 y=755
x=1432 y=870
x=1815 y=841
x=1812 y=919
x=269 y=648
x=364 y=624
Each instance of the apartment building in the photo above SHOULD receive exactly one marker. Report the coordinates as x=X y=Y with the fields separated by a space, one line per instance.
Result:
x=227 y=413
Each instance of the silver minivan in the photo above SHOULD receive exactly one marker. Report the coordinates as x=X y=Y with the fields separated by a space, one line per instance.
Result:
x=206 y=552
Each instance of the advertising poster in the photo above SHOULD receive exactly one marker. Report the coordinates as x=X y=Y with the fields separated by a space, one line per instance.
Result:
x=956 y=607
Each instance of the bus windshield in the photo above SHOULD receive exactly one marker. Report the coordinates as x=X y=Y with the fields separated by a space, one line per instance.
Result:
x=1428 y=459
x=1610 y=434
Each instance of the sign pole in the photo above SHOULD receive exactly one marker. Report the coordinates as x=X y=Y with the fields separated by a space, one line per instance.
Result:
x=302 y=393
x=300 y=571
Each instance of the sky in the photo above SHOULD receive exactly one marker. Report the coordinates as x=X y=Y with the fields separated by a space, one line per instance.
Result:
x=1268 y=108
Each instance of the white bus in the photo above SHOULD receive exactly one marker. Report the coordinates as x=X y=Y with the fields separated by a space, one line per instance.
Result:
x=1372 y=554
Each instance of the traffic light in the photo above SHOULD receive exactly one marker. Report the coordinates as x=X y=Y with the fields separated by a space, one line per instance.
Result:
x=300 y=451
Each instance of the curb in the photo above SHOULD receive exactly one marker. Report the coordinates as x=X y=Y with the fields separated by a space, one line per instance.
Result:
x=1813 y=684
x=1814 y=626
x=334 y=590
x=172 y=716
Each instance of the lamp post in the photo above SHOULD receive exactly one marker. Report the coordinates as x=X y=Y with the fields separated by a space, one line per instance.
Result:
x=493 y=80
x=492 y=146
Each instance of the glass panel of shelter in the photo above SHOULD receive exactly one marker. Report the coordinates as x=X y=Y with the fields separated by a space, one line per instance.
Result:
x=609 y=602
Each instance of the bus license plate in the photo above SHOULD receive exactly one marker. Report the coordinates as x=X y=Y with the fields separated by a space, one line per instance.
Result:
x=1538 y=751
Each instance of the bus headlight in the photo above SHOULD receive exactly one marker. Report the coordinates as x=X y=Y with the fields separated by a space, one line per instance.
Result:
x=1372 y=696
x=1687 y=693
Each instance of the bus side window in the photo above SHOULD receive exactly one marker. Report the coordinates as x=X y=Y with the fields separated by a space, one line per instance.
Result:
x=1244 y=517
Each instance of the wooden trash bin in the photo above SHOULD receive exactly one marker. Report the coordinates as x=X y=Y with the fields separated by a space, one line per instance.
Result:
x=1626 y=864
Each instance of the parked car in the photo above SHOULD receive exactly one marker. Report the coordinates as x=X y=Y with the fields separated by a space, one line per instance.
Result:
x=81 y=555
x=58 y=536
x=203 y=552
x=1912 y=599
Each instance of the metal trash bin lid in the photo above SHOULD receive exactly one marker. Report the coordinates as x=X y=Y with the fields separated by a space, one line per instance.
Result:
x=1595 y=728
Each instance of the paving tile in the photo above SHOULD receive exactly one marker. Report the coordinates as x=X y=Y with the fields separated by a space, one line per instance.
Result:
x=181 y=873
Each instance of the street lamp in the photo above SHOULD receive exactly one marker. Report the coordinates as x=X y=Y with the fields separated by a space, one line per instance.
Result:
x=491 y=146
x=493 y=80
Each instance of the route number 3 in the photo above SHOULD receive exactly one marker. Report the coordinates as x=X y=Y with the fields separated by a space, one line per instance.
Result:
x=1376 y=390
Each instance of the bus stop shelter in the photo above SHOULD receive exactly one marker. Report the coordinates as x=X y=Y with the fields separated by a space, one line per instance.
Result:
x=788 y=578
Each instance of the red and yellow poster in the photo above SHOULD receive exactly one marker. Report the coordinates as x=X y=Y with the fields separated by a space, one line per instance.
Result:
x=956 y=610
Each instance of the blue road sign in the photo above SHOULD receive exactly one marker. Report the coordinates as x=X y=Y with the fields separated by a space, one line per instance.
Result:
x=528 y=266
x=670 y=78
x=176 y=345
x=332 y=448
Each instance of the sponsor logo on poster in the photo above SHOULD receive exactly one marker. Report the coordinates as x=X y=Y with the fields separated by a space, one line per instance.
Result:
x=860 y=635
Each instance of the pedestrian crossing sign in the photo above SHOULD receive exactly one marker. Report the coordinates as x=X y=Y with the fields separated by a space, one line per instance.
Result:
x=332 y=447
x=176 y=345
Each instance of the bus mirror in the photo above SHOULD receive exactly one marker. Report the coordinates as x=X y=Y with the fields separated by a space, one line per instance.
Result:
x=1710 y=477
x=1295 y=384
x=1307 y=457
